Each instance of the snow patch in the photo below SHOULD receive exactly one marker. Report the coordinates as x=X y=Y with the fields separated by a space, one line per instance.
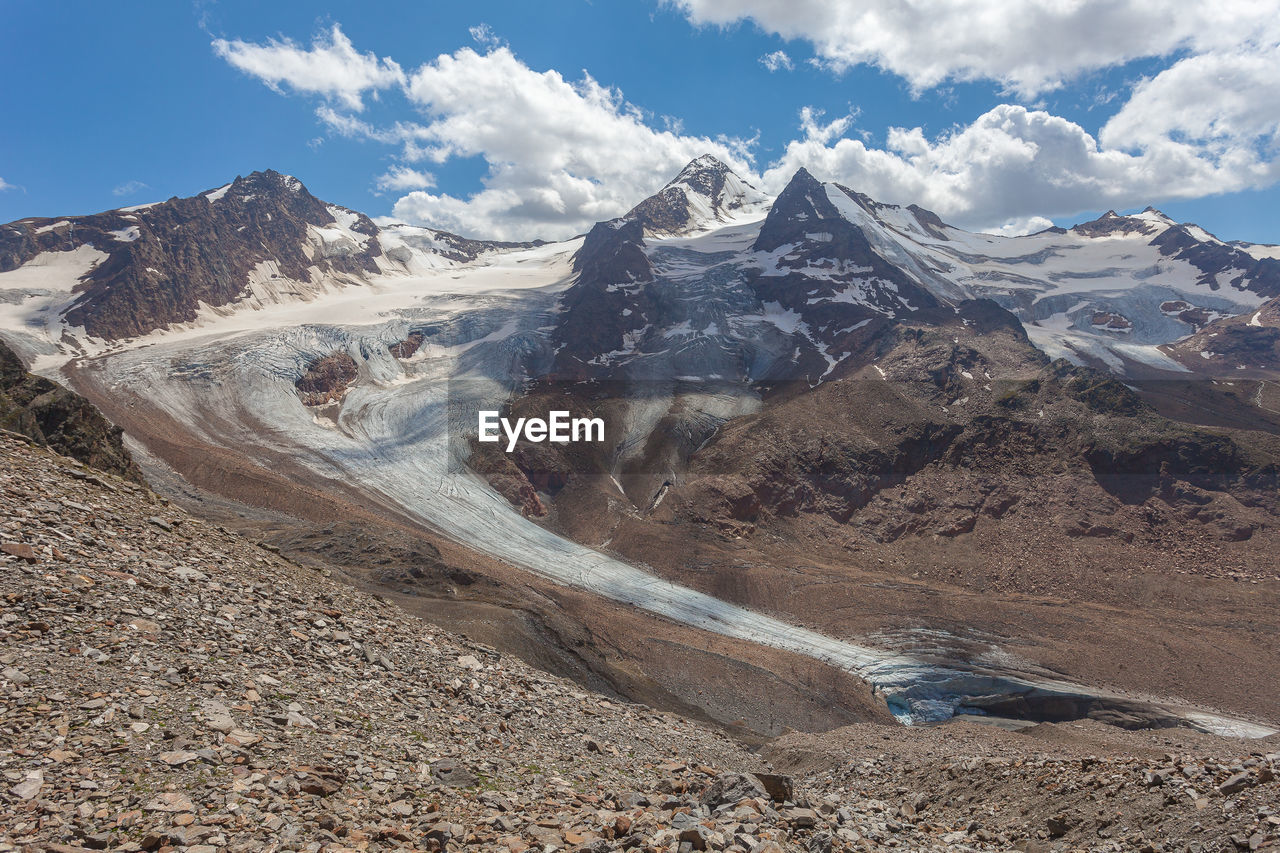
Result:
x=53 y=271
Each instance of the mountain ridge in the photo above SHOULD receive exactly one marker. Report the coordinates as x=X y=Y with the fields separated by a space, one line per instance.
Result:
x=295 y=248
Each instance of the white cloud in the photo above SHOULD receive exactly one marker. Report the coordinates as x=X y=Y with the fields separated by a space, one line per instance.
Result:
x=402 y=178
x=1220 y=101
x=1013 y=163
x=777 y=61
x=561 y=154
x=331 y=68
x=483 y=35
x=1029 y=45
x=129 y=188
x=1020 y=226
x=5 y=185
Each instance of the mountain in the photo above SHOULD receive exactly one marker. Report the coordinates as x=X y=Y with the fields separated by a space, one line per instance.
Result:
x=261 y=239
x=1109 y=292
x=705 y=194
x=857 y=461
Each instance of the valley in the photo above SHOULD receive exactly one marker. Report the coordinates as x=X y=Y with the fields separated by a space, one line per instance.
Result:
x=842 y=456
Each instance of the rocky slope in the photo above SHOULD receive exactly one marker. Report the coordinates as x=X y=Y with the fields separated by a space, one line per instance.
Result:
x=1246 y=346
x=164 y=260
x=171 y=686
x=954 y=477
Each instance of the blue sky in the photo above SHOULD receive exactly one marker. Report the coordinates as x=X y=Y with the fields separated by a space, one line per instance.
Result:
x=482 y=117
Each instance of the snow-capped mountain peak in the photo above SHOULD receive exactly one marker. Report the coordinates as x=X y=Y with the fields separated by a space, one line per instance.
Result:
x=705 y=193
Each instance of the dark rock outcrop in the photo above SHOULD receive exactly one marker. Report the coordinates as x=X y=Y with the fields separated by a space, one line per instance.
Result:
x=1217 y=261
x=825 y=242
x=187 y=251
x=610 y=297
x=60 y=419
x=326 y=379
x=165 y=260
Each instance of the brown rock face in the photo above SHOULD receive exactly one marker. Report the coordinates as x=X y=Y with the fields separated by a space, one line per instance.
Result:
x=60 y=419
x=668 y=210
x=1228 y=345
x=190 y=250
x=508 y=477
x=407 y=347
x=326 y=379
x=1110 y=320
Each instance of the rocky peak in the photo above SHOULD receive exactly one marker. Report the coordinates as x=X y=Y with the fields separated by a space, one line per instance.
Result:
x=1110 y=224
x=1219 y=262
x=706 y=191
x=823 y=264
x=706 y=175
x=610 y=297
x=613 y=253
x=797 y=210
x=163 y=260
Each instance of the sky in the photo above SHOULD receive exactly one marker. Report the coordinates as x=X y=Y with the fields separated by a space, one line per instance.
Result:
x=518 y=120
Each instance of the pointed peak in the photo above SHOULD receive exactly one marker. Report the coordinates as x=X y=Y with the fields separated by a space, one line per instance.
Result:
x=705 y=192
x=802 y=181
x=706 y=162
x=269 y=178
x=1111 y=224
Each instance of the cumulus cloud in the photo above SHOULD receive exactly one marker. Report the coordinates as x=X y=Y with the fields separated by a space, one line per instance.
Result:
x=129 y=188
x=1220 y=101
x=332 y=67
x=1010 y=164
x=777 y=61
x=564 y=153
x=5 y=185
x=1020 y=226
x=1030 y=46
x=402 y=178
x=561 y=154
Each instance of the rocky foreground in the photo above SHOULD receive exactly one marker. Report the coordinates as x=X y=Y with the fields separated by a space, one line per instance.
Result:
x=170 y=686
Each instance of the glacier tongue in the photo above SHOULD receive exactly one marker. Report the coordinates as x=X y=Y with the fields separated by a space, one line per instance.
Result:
x=392 y=443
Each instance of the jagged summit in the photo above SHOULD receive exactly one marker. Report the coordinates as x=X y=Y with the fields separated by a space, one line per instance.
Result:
x=1149 y=221
x=260 y=239
x=706 y=191
x=266 y=182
